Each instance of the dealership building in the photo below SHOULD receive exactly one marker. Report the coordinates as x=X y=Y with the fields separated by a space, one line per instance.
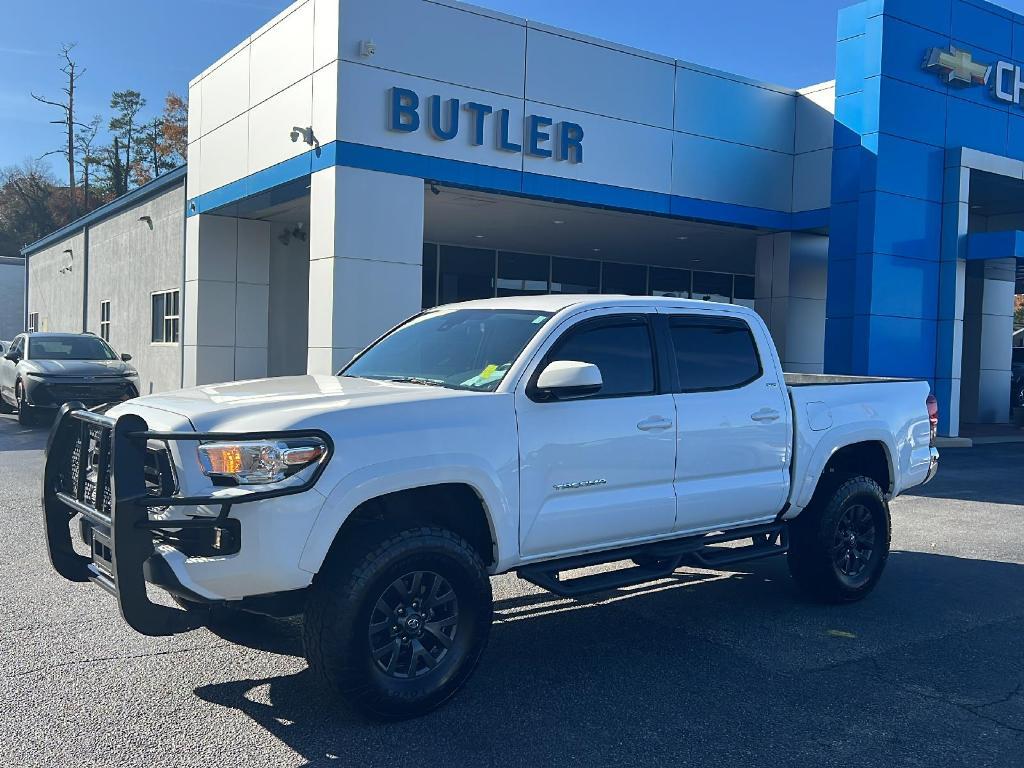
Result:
x=351 y=163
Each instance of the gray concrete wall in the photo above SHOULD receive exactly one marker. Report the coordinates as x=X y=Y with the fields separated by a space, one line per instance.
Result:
x=12 y=296
x=129 y=260
x=55 y=284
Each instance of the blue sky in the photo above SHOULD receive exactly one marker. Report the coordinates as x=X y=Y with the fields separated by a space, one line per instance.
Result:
x=156 y=46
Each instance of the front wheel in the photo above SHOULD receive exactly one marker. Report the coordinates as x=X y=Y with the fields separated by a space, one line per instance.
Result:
x=399 y=628
x=25 y=415
x=840 y=543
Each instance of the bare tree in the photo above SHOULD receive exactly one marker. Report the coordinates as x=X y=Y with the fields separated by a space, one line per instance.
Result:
x=88 y=156
x=67 y=107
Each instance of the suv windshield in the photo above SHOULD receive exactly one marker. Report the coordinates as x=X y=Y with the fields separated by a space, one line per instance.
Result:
x=69 y=348
x=456 y=348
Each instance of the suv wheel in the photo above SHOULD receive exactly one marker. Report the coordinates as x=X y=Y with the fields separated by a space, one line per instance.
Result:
x=25 y=416
x=839 y=545
x=397 y=627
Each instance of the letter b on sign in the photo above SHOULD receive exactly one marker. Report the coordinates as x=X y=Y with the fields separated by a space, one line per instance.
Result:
x=403 y=115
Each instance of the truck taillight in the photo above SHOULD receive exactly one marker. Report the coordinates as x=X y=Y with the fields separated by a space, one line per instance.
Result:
x=933 y=417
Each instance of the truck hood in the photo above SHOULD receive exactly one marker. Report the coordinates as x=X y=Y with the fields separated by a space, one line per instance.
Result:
x=76 y=367
x=285 y=402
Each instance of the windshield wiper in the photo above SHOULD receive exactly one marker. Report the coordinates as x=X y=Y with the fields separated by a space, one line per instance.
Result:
x=416 y=380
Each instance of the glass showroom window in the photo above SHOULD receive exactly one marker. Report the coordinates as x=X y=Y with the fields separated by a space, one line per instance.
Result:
x=712 y=286
x=429 y=276
x=630 y=279
x=670 y=282
x=743 y=290
x=522 y=274
x=105 y=320
x=465 y=274
x=166 y=317
x=575 y=275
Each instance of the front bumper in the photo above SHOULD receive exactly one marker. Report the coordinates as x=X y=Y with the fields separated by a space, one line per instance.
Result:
x=101 y=470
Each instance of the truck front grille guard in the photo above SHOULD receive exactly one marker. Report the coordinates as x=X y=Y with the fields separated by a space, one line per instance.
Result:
x=103 y=469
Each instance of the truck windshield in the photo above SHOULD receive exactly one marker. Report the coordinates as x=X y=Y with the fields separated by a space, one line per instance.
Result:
x=456 y=348
x=69 y=348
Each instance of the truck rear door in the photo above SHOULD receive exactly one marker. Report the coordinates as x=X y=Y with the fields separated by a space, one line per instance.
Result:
x=734 y=431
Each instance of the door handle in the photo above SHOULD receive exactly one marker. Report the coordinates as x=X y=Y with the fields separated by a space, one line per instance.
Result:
x=654 y=424
x=765 y=414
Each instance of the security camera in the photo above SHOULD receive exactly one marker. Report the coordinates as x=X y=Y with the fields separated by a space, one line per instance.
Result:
x=306 y=134
x=435 y=189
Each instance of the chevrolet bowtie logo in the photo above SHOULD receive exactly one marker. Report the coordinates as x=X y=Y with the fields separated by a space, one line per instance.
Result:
x=957 y=67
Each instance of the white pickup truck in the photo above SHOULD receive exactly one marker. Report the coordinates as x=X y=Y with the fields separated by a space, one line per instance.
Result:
x=535 y=434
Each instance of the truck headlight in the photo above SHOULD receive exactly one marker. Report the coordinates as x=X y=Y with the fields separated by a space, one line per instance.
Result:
x=258 y=462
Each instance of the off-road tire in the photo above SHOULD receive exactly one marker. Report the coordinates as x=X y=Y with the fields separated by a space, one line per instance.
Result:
x=818 y=541
x=346 y=597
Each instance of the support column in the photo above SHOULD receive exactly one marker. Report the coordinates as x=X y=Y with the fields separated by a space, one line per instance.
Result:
x=366 y=260
x=988 y=333
x=225 y=306
x=789 y=294
x=950 y=308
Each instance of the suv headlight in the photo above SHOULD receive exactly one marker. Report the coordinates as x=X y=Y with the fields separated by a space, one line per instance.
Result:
x=259 y=462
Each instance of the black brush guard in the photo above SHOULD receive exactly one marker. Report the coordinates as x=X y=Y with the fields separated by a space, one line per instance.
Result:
x=96 y=468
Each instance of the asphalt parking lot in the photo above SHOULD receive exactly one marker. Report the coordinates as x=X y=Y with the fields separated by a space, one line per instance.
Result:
x=703 y=669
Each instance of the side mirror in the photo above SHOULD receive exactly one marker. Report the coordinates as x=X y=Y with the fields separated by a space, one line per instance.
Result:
x=568 y=379
x=125 y=357
x=14 y=357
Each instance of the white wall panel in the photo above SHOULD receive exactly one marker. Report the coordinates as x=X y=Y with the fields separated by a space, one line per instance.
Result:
x=225 y=152
x=282 y=55
x=458 y=46
x=253 y=251
x=271 y=123
x=731 y=173
x=364 y=95
x=708 y=105
x=614 y=152
x=592 y=78
x=195 y=111
x=325 y=103
x=812 y=180
x=326 y=31
x=225 y=92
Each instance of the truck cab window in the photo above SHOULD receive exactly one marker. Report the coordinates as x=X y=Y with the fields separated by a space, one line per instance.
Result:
x=621 y=348
x=714 y=353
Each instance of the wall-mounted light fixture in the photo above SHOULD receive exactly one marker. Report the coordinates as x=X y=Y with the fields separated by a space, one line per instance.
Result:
x=306 y=134
x=69 y=262
x=148 y=220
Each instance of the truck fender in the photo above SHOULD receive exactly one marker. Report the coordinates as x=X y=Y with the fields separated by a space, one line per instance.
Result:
x=830 y=442
x=386 y=477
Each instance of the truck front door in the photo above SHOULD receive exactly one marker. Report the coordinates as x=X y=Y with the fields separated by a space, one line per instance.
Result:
x=598 y=470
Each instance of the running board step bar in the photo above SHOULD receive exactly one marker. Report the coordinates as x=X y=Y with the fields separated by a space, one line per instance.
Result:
x=660 y=560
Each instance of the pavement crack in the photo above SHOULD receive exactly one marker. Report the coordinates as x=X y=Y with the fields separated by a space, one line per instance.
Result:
x=99 y=659
x=971 y=709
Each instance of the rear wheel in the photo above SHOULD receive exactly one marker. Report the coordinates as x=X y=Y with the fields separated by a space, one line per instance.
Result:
x=839 y=545
x=397 y=630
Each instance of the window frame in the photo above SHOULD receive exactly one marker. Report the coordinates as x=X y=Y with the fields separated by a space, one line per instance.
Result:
x=105 y=321
x=709 y=319
x=165 y=317
x=661 y=386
